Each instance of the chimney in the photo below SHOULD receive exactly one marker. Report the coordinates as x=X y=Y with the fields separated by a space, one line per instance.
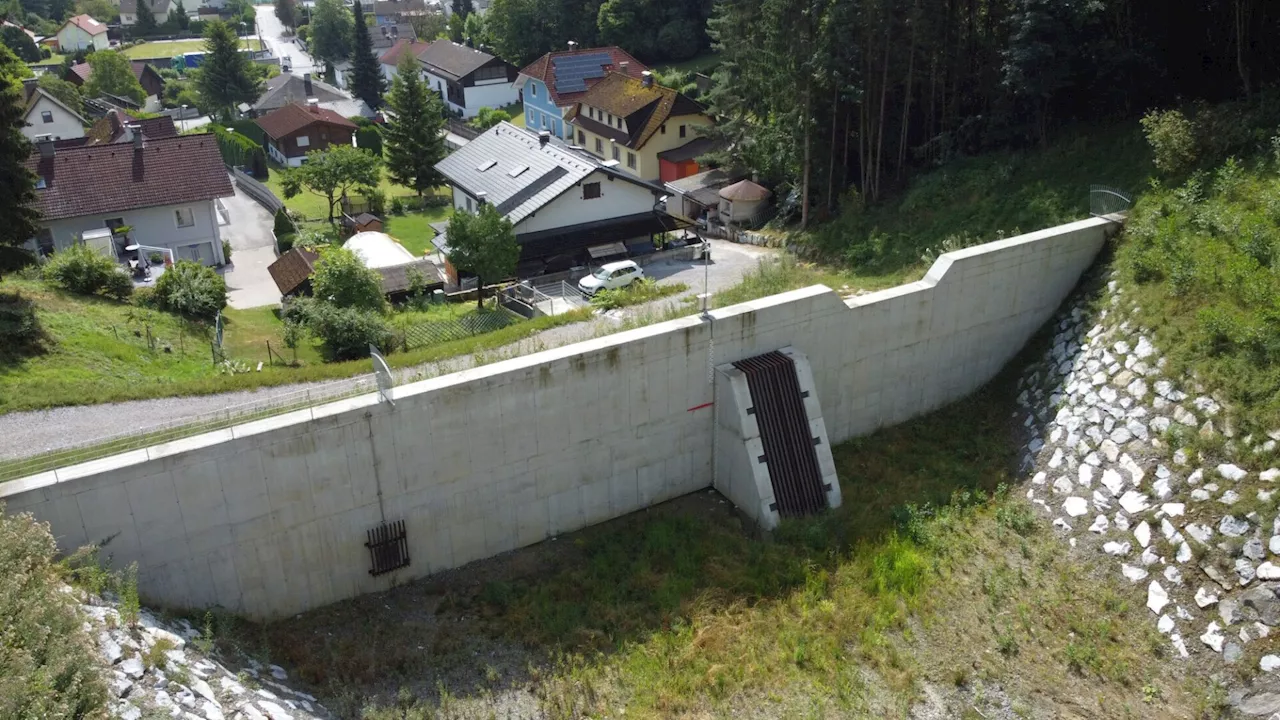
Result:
x=45 y=142
x=544 y=137
x=646 y=78
x=622 y=67
x=573 y=46
x=135 y=132
x=395 y=32
x=306 y=84
x=313 y=104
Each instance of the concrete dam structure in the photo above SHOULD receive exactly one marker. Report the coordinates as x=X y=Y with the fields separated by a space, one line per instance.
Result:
x=293 y=512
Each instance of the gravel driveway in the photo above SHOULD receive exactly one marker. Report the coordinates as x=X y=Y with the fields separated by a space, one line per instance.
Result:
x=33 y=432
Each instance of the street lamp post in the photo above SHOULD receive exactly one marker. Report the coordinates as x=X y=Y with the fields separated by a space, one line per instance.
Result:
x=182 y=119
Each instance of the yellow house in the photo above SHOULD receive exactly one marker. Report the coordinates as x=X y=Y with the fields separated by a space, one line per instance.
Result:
x=649 y=129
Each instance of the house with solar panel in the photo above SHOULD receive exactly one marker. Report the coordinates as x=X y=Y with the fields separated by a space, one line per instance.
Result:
x=567 y=207
x=468 y=79
x=554 y=82
x=652 y=132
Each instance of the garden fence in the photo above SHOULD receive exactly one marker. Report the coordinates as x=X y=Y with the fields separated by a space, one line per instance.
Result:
x=416 y=336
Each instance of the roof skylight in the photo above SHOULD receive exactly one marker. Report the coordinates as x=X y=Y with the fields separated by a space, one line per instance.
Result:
x=486 y=165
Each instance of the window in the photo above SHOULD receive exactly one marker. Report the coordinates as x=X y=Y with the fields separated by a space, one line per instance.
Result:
x=496 y=72
x=590 y=191
x=517 y=172
x=544 y=119
x=631 y=160
x=486 y=165
x=113 y=224
x=303 y=141
x=468 y=204
x=615 y=152
x=599 y=146
x=533 y=89
x=184 y=217
x=324 y=135
x=44 y=241
x=528 y=118
x=46 y=116
x=582 y=138
x=682 y=131
x=662 y=129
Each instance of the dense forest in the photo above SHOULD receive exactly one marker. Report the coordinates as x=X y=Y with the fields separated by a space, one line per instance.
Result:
x=829 y=98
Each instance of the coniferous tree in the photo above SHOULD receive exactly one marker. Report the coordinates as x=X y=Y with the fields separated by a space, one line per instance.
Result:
x=146 y=23
x=226 y=78
x=17 y=184
x=178 y=16
x=413 y=136
x=463 y=8
x=367 y=82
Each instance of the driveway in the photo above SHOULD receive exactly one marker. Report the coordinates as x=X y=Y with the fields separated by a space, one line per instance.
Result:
x=248 y=229
x=272 y=32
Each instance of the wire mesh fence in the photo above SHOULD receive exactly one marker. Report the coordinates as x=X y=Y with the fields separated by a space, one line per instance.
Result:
x=105 y=445
x=478 y=323
x=1105 y=200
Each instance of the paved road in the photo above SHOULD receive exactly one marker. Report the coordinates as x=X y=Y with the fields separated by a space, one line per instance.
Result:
x=31 y=433
x=248 y=229
x=273 y=36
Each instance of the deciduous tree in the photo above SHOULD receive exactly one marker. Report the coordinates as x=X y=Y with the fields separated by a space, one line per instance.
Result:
x=17 y=40
x=112 y=73
x=483 y=244
x=342 y=279
x=331 y=31
x=413 y=136
x=332 y=173
x=286 y=13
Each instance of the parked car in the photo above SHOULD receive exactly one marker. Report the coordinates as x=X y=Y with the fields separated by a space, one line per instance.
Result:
x=286 y=64
x=611 y=276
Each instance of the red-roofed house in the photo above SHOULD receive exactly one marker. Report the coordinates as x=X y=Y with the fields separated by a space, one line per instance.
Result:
x=557 y=80
x=82 y=32
x=296 y=129
x=390 y=59
x=164 y=189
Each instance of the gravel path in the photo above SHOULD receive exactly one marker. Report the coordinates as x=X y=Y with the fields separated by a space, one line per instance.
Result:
x=30 y=433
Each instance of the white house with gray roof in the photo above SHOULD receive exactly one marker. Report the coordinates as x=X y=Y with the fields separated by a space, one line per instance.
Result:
x=468 y=79
x=562 y=202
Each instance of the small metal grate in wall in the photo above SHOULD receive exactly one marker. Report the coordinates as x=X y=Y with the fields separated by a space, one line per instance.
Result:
x=388 y=547
x=778 y=406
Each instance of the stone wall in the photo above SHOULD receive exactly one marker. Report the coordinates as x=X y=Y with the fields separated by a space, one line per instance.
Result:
x=270 y=518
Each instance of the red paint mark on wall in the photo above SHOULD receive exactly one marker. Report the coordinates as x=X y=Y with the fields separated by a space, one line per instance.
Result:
x=699 y=407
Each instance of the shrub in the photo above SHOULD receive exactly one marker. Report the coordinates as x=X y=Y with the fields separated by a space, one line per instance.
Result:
x=13 y=259
x=283 y=223
x=47 y=668
x=19 y=326
x=226 y=251
x=641 y=291
x=284 y=243
x=191 y=289
x=145 y=297
x=82 y=270
x=343 y=280
x=1172 y=138
x=346 y=332
x=397 y=206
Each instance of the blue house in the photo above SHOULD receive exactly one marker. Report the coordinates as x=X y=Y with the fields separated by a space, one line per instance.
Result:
x=554 y=82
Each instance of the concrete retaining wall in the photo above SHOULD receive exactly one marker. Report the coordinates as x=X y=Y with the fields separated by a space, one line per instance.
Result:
x=269 y=518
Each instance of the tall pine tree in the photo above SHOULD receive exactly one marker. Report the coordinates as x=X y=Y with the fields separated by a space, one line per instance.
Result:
x=226 y=77
x=367 y=82
x=146 y=24
x=17 y=184
x=413 y=138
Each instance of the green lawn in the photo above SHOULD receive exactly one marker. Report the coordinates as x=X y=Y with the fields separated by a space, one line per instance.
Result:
x=173 y=48
x=703 y=63
x=413 y=229
x=516 y=111
x=54 y=59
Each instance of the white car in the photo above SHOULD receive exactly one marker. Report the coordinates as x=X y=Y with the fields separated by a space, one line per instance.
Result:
x=611 y=276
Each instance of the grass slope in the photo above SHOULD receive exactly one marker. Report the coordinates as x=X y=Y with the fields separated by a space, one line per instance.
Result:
x=173 y=48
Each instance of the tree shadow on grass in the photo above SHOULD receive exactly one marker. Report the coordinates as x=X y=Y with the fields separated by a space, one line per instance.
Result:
x=21 y=335
x=494 y=627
